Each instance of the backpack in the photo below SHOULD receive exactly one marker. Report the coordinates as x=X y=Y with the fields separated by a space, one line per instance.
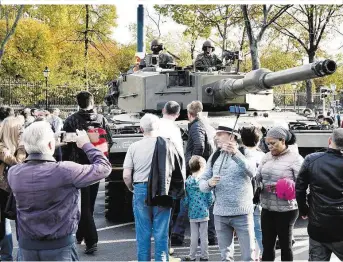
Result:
x=255 y=185
x=97 y=124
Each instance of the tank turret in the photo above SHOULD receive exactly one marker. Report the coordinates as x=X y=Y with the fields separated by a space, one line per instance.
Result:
x=149 y=89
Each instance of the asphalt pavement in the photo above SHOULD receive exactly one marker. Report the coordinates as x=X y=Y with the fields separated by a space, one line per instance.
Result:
x=117 y=242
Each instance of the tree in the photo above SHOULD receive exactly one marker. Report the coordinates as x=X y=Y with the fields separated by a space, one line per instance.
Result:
x=30 y=50
x=97 y=20
x=156 y=19
x=269 y=15
x=308 y=25
x=201 y=19
x=182 y=14
x=10 y=29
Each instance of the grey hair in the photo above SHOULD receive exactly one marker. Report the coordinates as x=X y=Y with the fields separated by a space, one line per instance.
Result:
x=149 y=123
x=337 y=137
x=279 y=132
x=36 y=138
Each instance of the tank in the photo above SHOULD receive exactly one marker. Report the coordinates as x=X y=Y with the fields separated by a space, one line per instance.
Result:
x=150 y=88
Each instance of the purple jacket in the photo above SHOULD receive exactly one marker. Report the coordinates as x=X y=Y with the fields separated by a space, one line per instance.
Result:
x=47 y=194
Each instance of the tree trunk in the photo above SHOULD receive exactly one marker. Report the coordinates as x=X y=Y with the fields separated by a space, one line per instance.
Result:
x=86 y=48
x=309 y=95
x=255 y=60
x=10 y=32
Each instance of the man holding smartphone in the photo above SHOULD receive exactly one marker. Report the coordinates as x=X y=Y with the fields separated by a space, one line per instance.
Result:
x=228 y=174
x=47 y=194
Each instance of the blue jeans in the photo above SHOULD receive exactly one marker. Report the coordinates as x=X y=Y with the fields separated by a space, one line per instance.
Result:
x=243 y=225
x=322 y=251
x=258 y=231
x=6 y=244
x=67 y=253
x=150 y=221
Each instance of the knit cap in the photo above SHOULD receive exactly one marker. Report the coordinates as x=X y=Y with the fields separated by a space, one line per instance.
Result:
x=279 y=132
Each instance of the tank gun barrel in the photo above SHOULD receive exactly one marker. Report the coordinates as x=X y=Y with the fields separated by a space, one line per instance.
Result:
x=301 y=73
x=263 y=79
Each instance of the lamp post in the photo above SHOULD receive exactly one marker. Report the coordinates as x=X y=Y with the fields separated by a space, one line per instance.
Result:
x=294 y=87
x=46 y=75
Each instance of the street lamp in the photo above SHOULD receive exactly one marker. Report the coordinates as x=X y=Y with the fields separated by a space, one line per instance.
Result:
x=294 y=87
x=46 y=75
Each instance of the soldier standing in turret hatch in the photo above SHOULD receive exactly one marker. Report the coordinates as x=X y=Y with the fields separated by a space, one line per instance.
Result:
x=207 y=59
x=164 y=60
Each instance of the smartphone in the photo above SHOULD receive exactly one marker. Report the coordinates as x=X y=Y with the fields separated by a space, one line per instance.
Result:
x=68 y=137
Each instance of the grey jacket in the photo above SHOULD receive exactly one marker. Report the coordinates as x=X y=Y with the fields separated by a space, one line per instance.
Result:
x=273 y=168
x=233 y=193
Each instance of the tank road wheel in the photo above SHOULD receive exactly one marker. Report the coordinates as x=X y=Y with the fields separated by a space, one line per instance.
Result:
x=118 y=199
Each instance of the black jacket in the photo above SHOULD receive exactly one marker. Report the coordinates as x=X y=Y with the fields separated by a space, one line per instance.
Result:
x=166 y=180
x=82 y=120
x=198 y=142
x=322 y=172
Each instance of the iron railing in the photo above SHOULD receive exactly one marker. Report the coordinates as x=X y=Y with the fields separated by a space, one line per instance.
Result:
x=19 y=93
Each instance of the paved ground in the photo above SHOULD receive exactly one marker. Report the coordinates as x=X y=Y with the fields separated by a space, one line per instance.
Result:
x=117 y=241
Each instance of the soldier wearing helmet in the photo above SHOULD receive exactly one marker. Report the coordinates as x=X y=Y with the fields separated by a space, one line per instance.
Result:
x=207 y=60
x=164 y=60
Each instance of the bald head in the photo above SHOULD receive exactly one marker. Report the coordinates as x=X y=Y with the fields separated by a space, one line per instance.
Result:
x=337 y=139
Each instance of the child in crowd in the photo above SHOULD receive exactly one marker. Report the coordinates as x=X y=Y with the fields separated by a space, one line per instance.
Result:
x=198 y=209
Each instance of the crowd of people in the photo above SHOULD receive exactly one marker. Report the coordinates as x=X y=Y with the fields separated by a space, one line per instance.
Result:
x=223 y=185
x=46 y=189
x=246 y=190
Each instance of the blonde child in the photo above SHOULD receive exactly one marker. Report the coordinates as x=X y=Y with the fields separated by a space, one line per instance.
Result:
x=198 y=209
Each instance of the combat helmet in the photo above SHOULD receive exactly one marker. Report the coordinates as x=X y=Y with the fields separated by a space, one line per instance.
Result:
x=206 y=44
x=156 y=45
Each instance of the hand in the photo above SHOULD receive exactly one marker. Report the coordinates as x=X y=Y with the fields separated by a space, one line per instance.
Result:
x=214 y=181
x=21 y=141
x=81 y=138
x=93 y=137
x=230 y=147
x=304 y=217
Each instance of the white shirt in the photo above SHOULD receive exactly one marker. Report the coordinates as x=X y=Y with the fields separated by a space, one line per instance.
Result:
x=168 y=129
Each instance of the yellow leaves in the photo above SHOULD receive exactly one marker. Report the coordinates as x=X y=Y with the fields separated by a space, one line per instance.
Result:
x=29 y=50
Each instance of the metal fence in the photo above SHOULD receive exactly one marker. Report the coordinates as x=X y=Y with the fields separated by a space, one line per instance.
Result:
x=297 y=101
x=18 y=94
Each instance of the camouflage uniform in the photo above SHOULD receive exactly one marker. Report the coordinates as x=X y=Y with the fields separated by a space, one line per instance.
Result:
x=163 y=58
x=203 y=61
